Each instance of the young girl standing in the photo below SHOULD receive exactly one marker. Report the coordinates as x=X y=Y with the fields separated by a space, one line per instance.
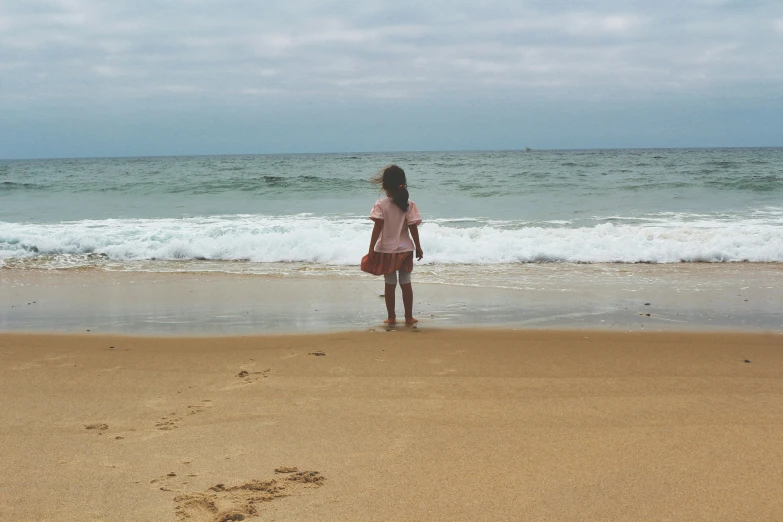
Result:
x=391 y=249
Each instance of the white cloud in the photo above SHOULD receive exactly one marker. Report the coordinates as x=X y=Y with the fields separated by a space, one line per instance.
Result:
x=590 y=25
x=107 y=71
x=321 y=51
x=620 y=23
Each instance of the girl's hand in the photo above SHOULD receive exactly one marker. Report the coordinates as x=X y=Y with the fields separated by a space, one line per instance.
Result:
x=419 y=253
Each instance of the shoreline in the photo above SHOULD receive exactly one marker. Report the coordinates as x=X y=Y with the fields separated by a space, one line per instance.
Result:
x=689 y=298
x=410 y=425
x=380 y=329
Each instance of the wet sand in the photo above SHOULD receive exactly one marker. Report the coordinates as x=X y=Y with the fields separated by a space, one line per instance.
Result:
x=404 y=425
x=730 y=296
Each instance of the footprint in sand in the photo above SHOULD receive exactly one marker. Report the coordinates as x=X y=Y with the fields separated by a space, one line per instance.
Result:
x=171 y=421
x=250 y=377
x=222 y=503
x=167 y=482
x=193 y=409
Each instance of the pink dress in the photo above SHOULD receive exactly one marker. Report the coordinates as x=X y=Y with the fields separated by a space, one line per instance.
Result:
x=394 y=246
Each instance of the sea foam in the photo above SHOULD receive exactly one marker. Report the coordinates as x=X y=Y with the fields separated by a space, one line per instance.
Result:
x=342 y=240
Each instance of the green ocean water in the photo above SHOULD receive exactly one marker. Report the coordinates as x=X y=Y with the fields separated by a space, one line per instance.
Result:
x=480 y=208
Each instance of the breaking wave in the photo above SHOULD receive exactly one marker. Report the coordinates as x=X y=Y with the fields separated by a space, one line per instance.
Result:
x=342 y=240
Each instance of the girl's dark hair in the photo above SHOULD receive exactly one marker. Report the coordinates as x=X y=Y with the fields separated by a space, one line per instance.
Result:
x=392 y=179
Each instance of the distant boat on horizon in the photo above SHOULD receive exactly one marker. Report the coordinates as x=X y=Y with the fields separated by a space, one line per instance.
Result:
x=528 y=149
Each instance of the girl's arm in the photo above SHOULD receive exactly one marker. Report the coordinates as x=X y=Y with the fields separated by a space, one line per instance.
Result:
x=376 y=233
x=414 y=229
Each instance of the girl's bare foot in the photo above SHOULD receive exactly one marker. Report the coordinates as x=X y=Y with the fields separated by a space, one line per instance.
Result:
x=391 y=320
x=411 y=320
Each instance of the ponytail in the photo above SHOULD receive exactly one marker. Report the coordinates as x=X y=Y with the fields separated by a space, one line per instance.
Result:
x=401 y=197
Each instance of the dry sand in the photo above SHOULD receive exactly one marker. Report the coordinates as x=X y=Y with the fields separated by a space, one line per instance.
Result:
x=403 y=425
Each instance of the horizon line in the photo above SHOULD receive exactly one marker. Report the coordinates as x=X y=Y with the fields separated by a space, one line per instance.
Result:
x=419 y=151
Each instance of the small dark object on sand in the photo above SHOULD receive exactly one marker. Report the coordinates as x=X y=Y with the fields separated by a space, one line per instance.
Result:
x=648 y=315
x=381 y=295
x=646 y=304
x=747 y=360
x=110 y=347
x=172 y=474
x=286 y=469
x=243 y=373
x=318 y=354
x=97 y=426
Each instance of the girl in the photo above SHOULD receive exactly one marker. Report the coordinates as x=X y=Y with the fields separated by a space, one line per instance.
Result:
x=391 y=248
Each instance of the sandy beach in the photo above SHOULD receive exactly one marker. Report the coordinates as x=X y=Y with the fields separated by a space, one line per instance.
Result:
x=582 y=203
x=404 y=425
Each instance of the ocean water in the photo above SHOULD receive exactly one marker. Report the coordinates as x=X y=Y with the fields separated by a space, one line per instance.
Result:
x=294 y=214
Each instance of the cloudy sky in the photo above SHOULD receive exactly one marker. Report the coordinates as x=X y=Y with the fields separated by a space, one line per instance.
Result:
x=145 y=77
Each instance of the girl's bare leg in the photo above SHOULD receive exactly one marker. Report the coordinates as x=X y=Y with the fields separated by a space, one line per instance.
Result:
x=407 y=302
x=389 y=296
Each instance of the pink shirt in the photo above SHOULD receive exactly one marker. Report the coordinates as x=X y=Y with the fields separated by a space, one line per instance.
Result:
x=394 y=235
